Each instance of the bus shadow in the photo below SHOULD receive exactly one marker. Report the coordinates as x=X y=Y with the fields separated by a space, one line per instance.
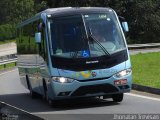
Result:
x=25 y=102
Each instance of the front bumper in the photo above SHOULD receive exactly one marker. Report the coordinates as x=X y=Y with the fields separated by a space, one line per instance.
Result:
x=87 y=88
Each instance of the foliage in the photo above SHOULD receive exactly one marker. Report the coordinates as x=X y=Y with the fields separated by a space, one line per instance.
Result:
x=146 y=69
x=9 y=65
x=7 y=32
x=144 y=19
x=143 y=16
x=7 y=41
x=15 y=11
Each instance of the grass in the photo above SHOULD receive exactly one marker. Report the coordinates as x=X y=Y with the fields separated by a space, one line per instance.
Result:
x=9 y=65
x=7 y=41
x=146 y=69
x=1 y=67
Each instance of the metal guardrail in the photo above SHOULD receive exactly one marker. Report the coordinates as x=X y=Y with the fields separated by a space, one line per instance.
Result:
x=8 y=61
x=141 y=46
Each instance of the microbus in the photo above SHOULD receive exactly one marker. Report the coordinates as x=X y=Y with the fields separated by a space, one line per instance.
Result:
x=74 y=52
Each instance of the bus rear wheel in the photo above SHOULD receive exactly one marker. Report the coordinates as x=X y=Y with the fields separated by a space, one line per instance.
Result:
x=117 y=97
x=45 y=95
x=32 y=93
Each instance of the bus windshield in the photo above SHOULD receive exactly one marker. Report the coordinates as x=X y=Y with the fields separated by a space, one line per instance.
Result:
x=87 y=35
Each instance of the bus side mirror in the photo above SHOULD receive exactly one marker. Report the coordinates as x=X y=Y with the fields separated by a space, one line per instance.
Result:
x=125 y=26
x=124 y=23
x=38 y=37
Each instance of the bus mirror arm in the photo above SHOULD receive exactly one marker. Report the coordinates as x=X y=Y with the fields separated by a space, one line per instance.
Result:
x=38 y=37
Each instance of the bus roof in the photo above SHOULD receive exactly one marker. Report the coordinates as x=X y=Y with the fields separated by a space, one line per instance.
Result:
x=63 y=11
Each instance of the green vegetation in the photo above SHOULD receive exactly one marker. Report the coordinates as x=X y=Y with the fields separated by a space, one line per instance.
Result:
x=27 y=44
x=146 y=69
x=143 y=16
x=1 y=67
x=7 y=41
x=7 y=32
x=9 y=65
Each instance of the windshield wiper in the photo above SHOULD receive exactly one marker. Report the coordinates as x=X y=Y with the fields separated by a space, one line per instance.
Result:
x=100 y=45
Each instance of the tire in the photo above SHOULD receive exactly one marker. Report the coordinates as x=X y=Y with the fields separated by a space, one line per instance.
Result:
x=27 y=80
x=31 y=92
x=117 y=97
x=44 y=96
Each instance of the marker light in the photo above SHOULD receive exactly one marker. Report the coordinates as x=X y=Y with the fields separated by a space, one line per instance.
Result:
x=123 y=73
x=62 y=79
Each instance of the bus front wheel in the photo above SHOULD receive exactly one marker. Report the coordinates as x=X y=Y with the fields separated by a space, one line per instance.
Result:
x=31 y=92
x=117 y=97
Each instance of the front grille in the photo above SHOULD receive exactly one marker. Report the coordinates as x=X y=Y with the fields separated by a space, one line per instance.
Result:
x=94 y=79
x=93 y=89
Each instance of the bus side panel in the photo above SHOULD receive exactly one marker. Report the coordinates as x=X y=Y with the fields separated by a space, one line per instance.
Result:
x=27 y=51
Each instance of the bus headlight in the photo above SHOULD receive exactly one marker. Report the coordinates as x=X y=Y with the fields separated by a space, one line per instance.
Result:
x=123 y=73
x=62 y=79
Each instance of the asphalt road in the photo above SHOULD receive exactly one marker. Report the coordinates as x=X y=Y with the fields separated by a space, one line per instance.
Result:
x=12 y=92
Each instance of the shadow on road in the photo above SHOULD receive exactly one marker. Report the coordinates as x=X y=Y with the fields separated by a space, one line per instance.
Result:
x=24 y=102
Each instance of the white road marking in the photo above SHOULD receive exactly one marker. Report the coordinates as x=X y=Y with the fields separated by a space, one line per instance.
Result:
x=3 y=73
x=142 y=96
x=16 y=108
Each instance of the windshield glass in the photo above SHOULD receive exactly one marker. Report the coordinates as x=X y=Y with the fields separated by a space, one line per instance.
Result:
x=70 y=35
x=105 y=29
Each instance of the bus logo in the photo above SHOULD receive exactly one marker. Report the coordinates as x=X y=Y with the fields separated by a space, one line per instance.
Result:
x=94 y=74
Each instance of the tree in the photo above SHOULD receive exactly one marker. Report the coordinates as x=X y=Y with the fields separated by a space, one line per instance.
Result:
x=144 y=20
x=14 y=11
x=143 y=16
